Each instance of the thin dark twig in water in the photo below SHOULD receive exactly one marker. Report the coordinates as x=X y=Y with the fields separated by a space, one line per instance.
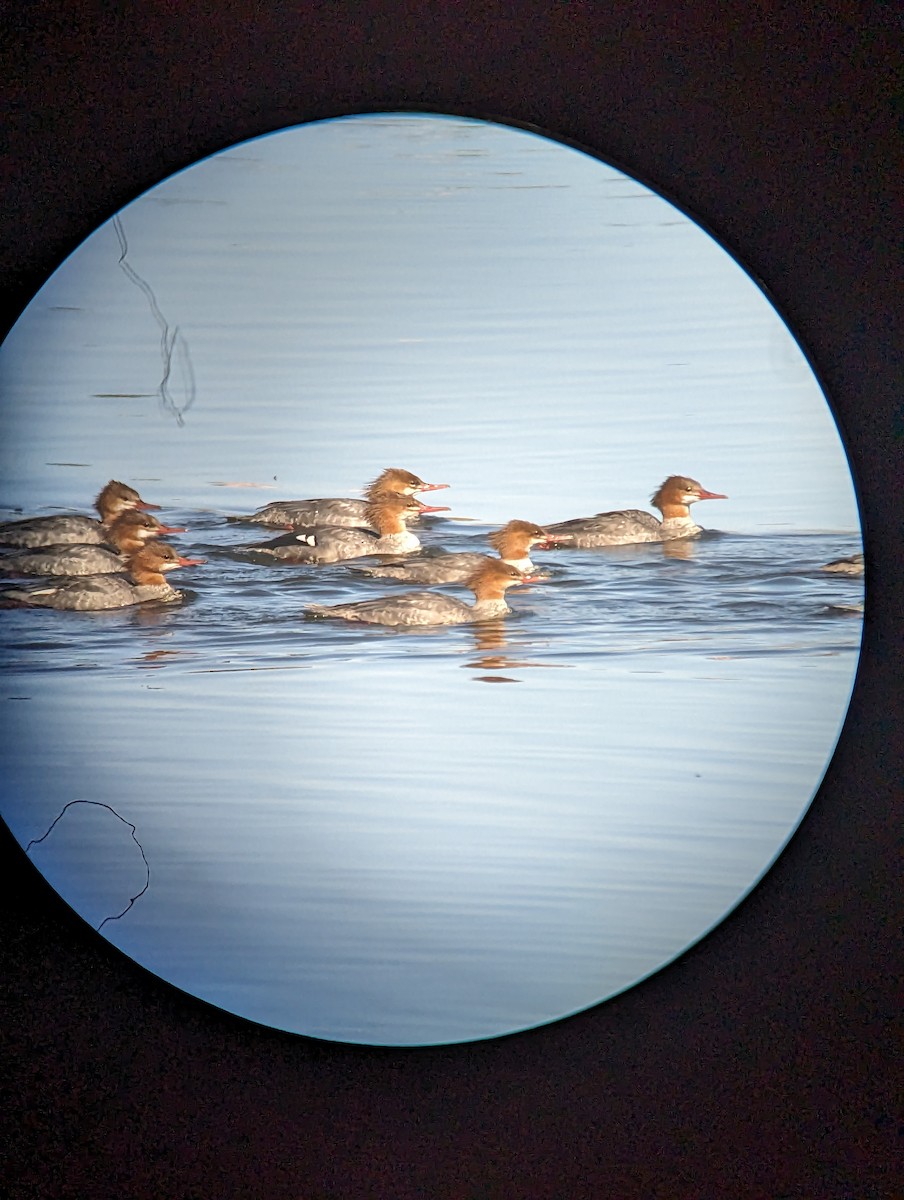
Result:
x=100 y=804
x=171 y=340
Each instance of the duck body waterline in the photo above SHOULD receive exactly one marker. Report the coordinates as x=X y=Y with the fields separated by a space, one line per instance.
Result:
x=91 y=593
x=488 y=583
x=628 y=526
x=845 y=566
x=436 y=569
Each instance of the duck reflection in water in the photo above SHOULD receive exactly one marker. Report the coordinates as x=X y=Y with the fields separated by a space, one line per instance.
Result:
x=490 y=643
x=679 y=549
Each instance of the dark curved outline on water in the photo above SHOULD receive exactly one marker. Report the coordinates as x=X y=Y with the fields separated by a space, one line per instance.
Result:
x=100 y=804
x=169 y=336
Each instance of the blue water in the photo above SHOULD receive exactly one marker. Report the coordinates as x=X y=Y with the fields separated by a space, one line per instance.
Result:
x=423 y=836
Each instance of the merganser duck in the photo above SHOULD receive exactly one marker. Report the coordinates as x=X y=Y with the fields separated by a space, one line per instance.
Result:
x=126 y=535
x=113 y=499
x=673 y=499
x=387 y=533
x=489 y=584
x=846 y=566
x=94 y=592
x=352 y=513
x=513 y=544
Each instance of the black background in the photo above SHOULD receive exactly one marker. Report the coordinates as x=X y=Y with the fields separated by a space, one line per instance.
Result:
x=762 y=1063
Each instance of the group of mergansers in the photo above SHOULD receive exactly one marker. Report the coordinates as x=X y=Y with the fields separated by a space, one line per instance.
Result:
x=117 y=561
x=91 y=564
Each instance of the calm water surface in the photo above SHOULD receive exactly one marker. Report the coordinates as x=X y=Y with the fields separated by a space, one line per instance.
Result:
x=406 y=837
x=411 y=837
